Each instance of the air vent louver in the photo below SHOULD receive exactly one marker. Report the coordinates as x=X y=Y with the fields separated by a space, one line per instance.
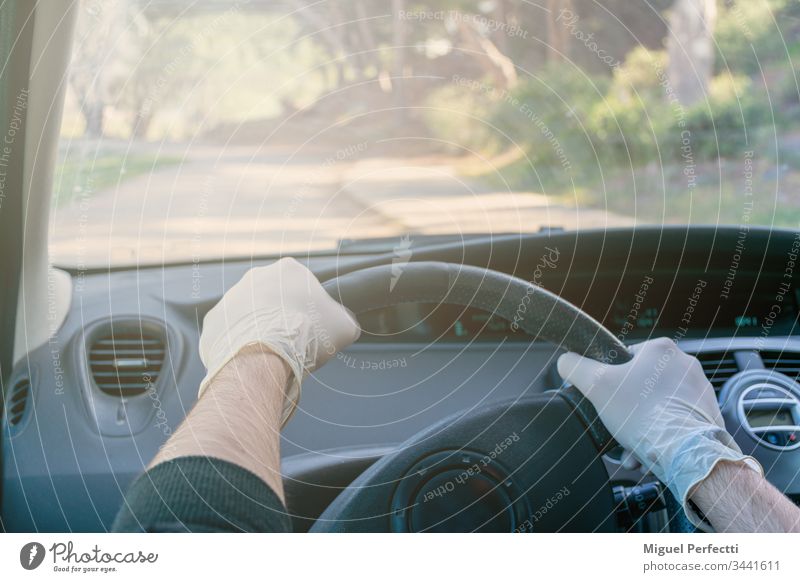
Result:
x=784 y=362
x=18 y=402
x=126 y=360
x=718 y=367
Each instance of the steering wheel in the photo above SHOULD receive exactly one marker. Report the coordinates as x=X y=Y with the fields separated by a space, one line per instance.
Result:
x=530 y=464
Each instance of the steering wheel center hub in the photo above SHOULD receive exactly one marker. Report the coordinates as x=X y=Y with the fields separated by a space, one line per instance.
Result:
x=458 y=491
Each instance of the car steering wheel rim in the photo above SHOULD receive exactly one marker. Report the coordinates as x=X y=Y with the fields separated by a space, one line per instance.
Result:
x=542 y=314
x=535 y=310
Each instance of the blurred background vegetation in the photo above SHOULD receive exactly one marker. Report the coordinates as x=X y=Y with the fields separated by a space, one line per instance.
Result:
x=631 y=106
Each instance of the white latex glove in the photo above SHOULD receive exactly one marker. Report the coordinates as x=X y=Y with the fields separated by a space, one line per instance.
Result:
x=283 y=307
x=661 y=407
x=629 y=461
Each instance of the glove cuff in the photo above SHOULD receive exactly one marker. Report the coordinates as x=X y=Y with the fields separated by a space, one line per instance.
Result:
x=293 y=385
x=694 y=461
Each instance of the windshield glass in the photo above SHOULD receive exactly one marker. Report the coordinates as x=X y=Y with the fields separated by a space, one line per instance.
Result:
x=211 y=129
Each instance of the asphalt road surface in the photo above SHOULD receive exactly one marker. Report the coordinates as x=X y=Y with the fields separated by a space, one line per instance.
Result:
x=242 y=202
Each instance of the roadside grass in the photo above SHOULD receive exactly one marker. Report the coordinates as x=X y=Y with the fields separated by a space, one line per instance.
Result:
x=728 y=191
x=78 y=176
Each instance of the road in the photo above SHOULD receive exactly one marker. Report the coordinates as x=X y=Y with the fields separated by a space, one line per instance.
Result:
x=240 y=202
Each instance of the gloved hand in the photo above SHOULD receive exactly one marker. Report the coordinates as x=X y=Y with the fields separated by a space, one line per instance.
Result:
x=661 y=407
x=284 y=308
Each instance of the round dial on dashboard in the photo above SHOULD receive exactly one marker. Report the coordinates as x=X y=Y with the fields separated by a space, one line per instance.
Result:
x=761 y=409
x=770 y=413
x=765 y=405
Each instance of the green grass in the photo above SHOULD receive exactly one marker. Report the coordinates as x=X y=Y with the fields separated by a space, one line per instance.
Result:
x=77 y=176
x=720 y=195
x=655 y=194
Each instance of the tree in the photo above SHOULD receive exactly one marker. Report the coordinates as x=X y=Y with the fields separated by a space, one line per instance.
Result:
x=98 y=58
x=557 y=33
x=690 y=46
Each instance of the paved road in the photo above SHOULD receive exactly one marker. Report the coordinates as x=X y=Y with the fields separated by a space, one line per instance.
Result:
x=238 y=202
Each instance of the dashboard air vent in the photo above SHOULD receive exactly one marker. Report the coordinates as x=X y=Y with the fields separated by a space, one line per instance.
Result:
x=718 y=367
x=125 y=360
x=785 y=362
x=18 y=401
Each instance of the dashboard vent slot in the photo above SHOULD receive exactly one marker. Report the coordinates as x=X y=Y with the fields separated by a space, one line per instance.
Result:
x=18 y=401
x=785 y=362
x=718 y=367
x=126 y=360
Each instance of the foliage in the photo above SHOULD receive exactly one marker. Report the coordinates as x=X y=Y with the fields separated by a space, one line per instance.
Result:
x=547 y=115
x=641 y=76
x=747 y=37
x=627 y=124
x=630 y=120
x=730 y=119
x=178 y=74
x=460 y=116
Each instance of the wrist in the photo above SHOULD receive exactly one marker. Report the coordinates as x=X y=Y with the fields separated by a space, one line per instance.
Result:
x=256 y=371
x=247 y=370
x=236 y=418
x=736 y=497
x=254 y=357
x=723 y=472
x=697 y=460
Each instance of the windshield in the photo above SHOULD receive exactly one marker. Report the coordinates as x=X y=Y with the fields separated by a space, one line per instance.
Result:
x=210 y=130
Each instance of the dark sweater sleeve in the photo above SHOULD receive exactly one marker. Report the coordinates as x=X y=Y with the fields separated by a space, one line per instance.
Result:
x=201 y=494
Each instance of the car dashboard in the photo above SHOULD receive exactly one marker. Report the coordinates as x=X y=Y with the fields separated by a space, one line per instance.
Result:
x=87 y=412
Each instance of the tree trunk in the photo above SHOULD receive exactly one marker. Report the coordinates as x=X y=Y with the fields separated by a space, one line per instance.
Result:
x=690 y=46
x=141 y=124
x=557 y=32
x=399 y=39
x=332 y=38
x=494 y=62
x=501 y=38
x=368 y=46
x=93 y=116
